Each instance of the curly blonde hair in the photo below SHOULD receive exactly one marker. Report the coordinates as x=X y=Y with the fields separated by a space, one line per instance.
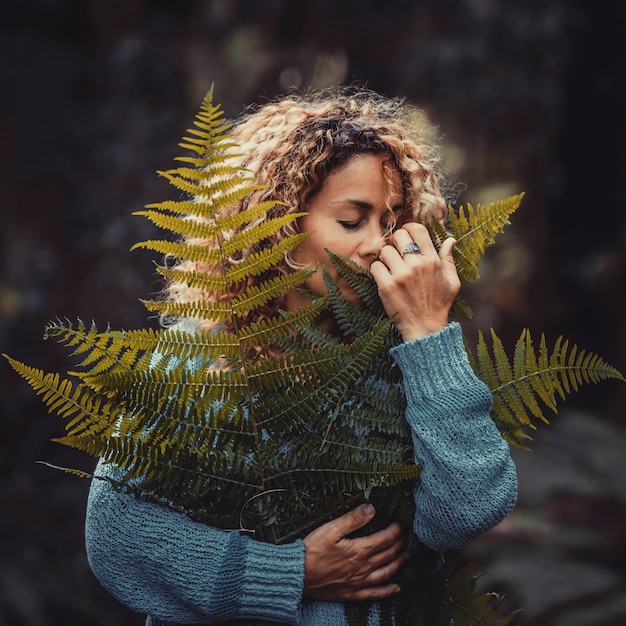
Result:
x=292 y=144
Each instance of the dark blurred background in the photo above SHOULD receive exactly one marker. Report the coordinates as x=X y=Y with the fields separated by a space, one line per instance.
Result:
x=528 y=96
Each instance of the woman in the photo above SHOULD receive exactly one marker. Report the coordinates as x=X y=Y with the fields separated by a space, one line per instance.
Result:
x=365 y=175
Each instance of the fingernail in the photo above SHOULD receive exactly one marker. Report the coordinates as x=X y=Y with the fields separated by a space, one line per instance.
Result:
x=367 y=508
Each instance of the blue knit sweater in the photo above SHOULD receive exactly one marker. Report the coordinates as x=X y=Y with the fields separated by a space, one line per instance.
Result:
x=161 y=563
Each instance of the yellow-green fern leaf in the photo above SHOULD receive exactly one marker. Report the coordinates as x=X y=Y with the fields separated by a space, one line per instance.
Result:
x=219 y=193
x=475 y=230
x=518 y=385
x=191 y=252
x=227 y=176
x=67 y=470
x=101 y=351
x=274 y=329
x=264 y=259
x=245 y=239
x=86 y=411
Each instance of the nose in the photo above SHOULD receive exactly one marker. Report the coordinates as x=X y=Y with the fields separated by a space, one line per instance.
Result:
x=373 y=240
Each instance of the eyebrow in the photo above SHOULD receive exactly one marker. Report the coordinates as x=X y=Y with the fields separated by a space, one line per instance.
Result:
x=363 y=204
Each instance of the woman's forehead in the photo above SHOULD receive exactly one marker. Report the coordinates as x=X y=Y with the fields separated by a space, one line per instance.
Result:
x=365 y=178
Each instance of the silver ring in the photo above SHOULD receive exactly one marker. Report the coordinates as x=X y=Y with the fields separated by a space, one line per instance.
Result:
x=411 y=248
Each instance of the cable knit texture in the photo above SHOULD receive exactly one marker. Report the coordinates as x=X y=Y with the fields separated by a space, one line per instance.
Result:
x=177 y=571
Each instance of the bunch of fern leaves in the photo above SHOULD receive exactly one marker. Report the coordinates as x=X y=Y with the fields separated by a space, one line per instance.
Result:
x=295 y=426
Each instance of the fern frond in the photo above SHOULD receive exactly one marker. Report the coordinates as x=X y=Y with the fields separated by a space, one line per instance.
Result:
x=461 y=308
x=222 y=191
x=475 y=230
x=264 y=259
x=195 y=209
x=177 y=250
x=103 y=351
x=349 y=476
x=225 y=176
x=67 y=470
x=467 y=606
x=353 y=320
x=220 y=283
x=153 y=388
x=213 y=256
x=341 y=364
x=252 y=298
x=313 y=336
x=275 y=329
x=246 y=239
x=517 y=386
x=86 y=410
x=360 y=280
x=208 y=230
x=215 y=283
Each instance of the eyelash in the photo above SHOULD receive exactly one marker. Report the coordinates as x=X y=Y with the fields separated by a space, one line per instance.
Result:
x=354 y=225
x=350 y=225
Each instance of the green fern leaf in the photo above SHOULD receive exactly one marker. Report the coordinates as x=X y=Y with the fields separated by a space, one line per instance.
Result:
x=361 y=281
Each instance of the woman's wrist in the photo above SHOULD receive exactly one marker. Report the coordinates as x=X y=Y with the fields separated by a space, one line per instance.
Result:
x=422 y=329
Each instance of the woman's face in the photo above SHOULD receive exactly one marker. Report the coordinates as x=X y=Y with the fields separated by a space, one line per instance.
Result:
x=350 y=216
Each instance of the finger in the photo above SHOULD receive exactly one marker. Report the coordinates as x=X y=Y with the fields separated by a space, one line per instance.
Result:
x=384 y=558
x=379 y=270
x=352 y=520
x=334 y=594
x=372 y=593
x=401 y=238
x=446 y=254
x=388 y=541
x=392 y=534
x=419 y=234
x=390 y=256
x=447 y=248
x=388 y=569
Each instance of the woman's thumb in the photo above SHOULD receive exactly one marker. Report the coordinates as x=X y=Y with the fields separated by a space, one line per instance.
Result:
x=356 y=518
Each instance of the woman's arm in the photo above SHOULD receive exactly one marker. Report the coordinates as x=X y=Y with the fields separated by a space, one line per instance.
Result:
x=161 y=563
x=468 y=482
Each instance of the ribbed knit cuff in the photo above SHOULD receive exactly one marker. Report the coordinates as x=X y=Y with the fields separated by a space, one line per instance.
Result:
x=274 y=580
x=433 y=364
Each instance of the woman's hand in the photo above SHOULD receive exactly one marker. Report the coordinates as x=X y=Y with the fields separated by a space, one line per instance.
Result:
x=417 y=290
x=338 y=568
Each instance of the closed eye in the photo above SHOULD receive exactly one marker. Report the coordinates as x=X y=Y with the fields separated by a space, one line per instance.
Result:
x=349 y=225
x=386 y=228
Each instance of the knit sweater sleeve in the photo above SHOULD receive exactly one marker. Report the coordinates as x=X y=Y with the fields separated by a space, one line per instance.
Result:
x=468 y=482
x=160 y=562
